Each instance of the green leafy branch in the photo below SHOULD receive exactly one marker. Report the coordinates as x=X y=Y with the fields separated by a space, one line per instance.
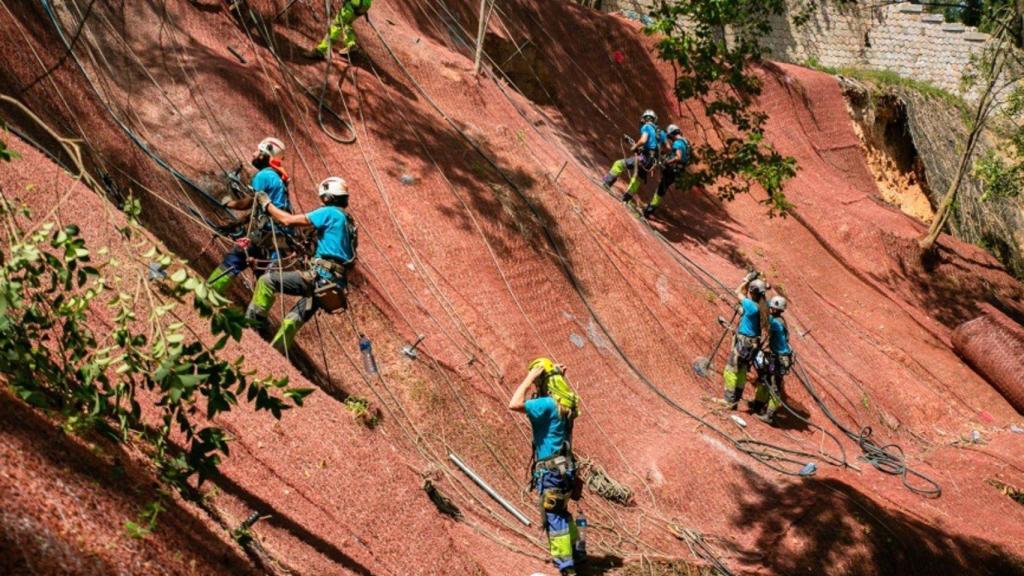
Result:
x=52 y=295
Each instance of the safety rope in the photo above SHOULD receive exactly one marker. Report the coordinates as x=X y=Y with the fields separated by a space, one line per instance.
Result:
x=499 y=540
x=762 y=455
x=132 y=135
x=501 y=272
x=264 y=31
x=601 y=483
x=888 y=457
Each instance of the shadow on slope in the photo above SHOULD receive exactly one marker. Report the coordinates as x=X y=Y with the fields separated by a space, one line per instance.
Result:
x=952 y=284
x=122 y=486
x=281 y=520
x=829 y=527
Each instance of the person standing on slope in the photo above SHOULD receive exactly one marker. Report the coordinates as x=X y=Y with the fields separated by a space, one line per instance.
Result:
x=341 y=34
x=552 y=411
x=774 y=365
x=747 y=338
x=271 y=180
x=323 y=284
x=644 y=155
x=672 y=167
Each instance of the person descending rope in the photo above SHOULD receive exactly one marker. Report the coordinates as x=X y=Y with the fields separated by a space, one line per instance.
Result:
x=747 y=338
x=322 y=285
x=341 y=33
x=644 y=156
x=552 y=411
x=272 y=180
x=672 y=167
x=773 y=364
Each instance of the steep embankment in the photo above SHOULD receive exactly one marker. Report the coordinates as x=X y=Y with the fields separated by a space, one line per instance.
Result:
x=482 y=229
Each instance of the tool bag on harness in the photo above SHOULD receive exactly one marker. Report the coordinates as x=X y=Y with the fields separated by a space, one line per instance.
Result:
x=330 y=293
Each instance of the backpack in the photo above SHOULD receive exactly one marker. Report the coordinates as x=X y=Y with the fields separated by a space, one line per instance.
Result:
x=686 y=150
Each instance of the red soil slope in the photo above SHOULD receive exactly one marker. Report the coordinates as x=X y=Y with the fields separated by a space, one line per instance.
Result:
x=482 y=229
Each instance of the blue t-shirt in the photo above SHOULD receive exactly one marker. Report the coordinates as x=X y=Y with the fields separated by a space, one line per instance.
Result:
x=332 y=237
x=269 y=181
x=778 y=336
x=548 y=427
x=654 y=137
x=684 y=146
x=750 y=319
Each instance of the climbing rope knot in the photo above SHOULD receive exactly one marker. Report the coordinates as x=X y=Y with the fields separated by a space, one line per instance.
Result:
x=602 y=484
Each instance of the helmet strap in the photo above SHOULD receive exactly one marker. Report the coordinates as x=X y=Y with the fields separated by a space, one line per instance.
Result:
x=261 y=161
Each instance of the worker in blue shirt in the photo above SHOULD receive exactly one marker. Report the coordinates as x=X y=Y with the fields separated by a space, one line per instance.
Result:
x=323 y=284
x=672 y=167
x=552 y=411
x=644 y=155
x=747 y=338
x=257 y=246
x=777 y=361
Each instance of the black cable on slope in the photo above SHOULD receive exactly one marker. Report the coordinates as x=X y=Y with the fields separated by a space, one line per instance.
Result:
x=124 y=127
x=748 y=447
x=319 y=99
x=888 y=458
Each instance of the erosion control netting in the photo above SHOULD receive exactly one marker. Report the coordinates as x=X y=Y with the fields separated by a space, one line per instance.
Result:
x=994 y=344
x=482 y=228
x=317 y=477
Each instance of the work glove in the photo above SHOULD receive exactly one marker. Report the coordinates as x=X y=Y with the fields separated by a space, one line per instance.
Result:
x=226 y=199
x=751 y=276
x=262 y=200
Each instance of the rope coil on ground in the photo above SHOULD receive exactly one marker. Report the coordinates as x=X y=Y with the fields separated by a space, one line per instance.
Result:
x=601 y=483
x=887 y=458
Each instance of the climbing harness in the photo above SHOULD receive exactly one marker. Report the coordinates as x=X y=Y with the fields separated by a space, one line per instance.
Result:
x=330 y=291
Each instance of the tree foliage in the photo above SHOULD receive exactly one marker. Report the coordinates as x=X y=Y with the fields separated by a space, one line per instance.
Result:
x=714 y=46
x=996 y=76
x=148 y=381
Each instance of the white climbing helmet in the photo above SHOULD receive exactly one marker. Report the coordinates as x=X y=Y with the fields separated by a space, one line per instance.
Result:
x=333 y=187
x=757 y=287
x=777 y=303
x=672 y=130
x=648 y=116
x=271 y=147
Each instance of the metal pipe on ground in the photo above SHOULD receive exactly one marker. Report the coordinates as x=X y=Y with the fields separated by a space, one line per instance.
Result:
x=487 y=488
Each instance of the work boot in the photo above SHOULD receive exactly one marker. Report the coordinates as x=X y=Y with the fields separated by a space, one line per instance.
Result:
x=627 y=198
x=755 y=407
x=766 y=417
x=568 y=572
x=608 y=181
x=256 y=316
x=649 y=211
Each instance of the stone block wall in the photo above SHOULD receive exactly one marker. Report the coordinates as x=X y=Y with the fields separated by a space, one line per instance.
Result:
x=899 y=37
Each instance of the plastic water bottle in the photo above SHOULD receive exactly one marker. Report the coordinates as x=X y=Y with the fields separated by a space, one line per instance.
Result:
x=366 y=349
x=581 y=534
x=809 y=469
